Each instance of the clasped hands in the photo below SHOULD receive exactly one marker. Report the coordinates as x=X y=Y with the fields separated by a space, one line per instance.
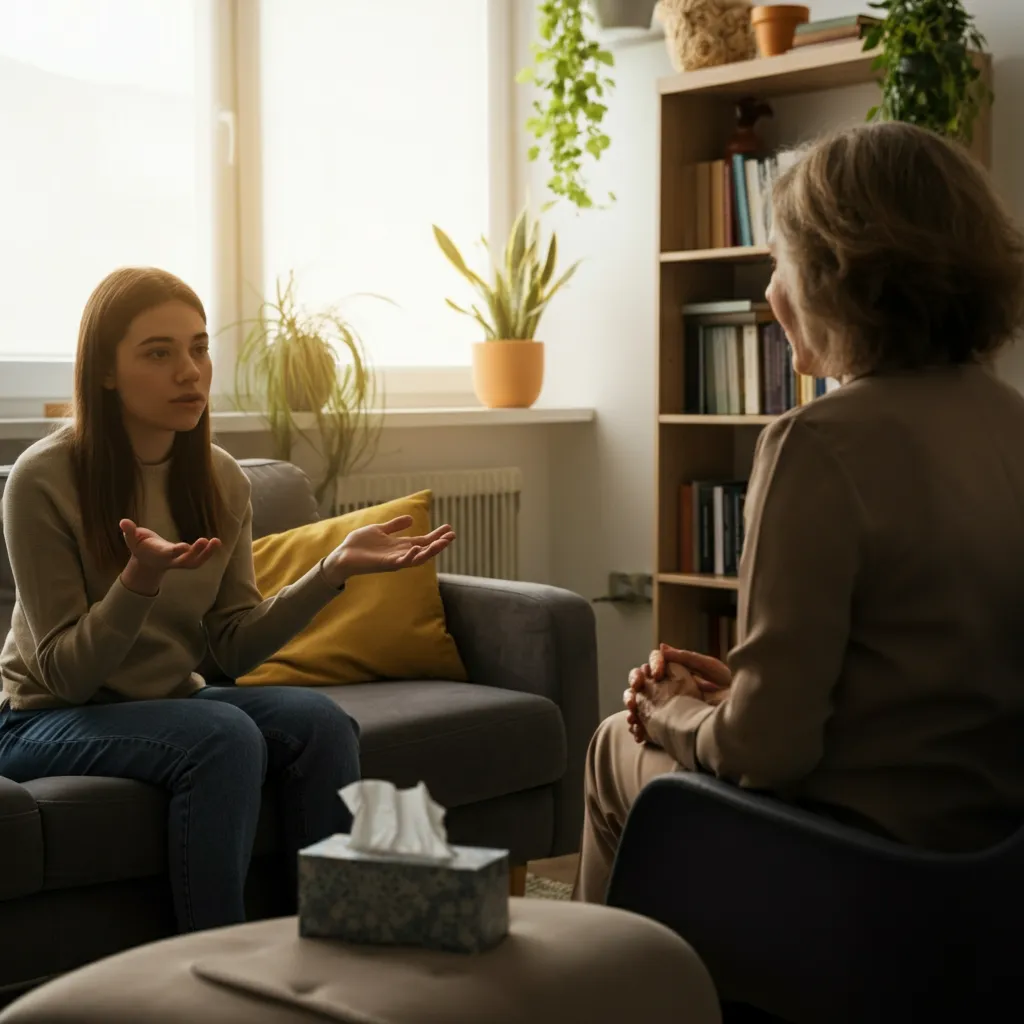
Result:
x=369 y=549
x=669 y=673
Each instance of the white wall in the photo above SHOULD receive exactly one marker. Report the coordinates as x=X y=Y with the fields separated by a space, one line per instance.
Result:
x=601 y=332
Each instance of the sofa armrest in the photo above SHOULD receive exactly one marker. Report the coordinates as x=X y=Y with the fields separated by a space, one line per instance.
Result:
x=792 y=911
x=21 y=841
x=534 y=639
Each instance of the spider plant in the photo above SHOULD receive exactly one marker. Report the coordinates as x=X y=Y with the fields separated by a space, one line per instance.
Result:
x=295 y=362
x=522 y=285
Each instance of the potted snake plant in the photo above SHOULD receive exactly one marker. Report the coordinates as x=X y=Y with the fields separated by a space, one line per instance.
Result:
x=508 y=366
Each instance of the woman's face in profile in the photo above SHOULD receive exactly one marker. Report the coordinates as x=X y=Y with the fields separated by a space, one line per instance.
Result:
x=783 y=294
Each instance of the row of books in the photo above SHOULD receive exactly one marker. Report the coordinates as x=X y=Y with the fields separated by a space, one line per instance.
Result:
x=732 y=199
x=738 y=363
x=711 y=526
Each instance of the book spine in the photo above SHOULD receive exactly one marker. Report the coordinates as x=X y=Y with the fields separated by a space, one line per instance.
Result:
x=718 y=238
x=751 y=371
x=727 y=199
x=742 y=208
x=732 y=340
x=718 y=513
x=706 y=527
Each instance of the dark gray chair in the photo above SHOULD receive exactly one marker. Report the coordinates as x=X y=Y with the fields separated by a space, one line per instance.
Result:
x=815 y=922
x=83 y=862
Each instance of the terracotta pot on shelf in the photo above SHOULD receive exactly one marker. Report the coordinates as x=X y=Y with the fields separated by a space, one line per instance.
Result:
x=508 y=374
x=775 y=26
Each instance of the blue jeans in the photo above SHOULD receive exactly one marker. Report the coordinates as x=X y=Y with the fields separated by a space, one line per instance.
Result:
x=212 y=752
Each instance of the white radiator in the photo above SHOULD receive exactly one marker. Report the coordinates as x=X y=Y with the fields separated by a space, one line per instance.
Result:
x=482 y=506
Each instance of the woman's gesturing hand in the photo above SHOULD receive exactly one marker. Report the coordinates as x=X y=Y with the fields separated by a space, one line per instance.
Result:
x=151 y=556
x=377 y=548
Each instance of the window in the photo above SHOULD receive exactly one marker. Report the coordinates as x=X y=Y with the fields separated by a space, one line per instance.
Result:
x=100 y=164
x=374 y=127
x=235 y=141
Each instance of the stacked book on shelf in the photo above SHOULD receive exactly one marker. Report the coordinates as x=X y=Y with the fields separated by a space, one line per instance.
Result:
x=711 y=526
x=737 y=362
x=732 y=199
x=834 y=30
x=717 y=634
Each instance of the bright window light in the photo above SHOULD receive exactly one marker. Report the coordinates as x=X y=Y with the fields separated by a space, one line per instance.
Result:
x=99 y=161
x=374 y=127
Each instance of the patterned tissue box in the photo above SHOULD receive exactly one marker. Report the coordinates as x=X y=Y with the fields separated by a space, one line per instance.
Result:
x=459 y=905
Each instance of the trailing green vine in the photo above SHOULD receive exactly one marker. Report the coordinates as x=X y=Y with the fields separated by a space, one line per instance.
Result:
x=570 y=69
x=929 y=76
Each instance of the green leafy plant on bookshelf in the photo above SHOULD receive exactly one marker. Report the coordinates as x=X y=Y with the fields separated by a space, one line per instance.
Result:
x=928 y=76
x=569 y=67
x=294 y=362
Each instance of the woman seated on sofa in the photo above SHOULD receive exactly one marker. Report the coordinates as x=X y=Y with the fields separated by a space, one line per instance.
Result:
x=879 y=674
x=130 y=539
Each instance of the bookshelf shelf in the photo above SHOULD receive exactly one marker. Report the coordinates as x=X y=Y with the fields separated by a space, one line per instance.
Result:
x=806 y=69
x=731 y=254
x=697 y=117
x=690 y=579
x=709 y=420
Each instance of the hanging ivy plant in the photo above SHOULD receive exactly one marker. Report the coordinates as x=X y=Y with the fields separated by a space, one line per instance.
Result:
x=571 y=70
x=929 y=77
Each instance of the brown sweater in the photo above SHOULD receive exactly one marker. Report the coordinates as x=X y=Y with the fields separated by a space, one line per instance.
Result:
x=79 y=635
x=880 y=668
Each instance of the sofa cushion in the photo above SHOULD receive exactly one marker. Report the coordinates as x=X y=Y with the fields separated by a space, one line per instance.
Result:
x=467 y=742
x=386 y=626
x=21 y=842
x=100 y=829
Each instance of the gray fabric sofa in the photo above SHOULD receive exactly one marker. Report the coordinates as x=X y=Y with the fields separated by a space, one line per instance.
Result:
x=82 y=860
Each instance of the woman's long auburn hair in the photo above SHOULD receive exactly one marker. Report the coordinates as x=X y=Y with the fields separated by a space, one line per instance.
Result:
x=106 y=471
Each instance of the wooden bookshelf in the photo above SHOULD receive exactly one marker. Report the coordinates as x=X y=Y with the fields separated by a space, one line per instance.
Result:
x=696 y=121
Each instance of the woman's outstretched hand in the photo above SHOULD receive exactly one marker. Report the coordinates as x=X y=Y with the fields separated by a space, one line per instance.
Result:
x=151 y=556
x=378 y=548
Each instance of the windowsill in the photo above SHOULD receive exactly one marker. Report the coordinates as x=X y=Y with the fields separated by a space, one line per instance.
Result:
x=32 y=428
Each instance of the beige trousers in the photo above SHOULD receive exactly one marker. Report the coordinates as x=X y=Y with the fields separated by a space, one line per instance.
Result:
x=617 y=769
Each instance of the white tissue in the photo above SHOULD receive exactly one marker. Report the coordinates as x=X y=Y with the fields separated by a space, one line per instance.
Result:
x=394 y=822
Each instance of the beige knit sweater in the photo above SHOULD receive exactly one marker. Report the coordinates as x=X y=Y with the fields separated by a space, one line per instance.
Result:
x=78 y=635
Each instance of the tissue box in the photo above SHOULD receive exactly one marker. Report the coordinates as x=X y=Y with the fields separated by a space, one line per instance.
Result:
x=459 y=905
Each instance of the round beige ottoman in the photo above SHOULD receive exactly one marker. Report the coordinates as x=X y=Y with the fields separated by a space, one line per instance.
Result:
x=570 y=963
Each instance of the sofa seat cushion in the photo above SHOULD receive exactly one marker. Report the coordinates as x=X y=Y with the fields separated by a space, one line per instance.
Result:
x=467 y=742
x=21 y=842
x=98 y=829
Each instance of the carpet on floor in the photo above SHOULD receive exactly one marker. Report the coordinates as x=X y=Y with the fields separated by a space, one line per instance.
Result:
x=547 y=889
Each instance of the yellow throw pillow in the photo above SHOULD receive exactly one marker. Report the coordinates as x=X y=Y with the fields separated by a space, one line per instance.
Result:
x=385 y=626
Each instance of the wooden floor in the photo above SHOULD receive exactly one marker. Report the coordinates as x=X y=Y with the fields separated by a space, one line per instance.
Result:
x=558 y=869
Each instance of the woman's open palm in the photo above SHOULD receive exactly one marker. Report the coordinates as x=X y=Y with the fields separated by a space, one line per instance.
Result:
x=377 y=548
x=155 y=553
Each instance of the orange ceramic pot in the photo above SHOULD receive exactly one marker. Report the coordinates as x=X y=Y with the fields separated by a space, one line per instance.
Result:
x=775 y=26
x=508 y=374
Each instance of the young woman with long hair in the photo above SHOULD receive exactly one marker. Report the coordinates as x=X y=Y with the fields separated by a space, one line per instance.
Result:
x=130 y=540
